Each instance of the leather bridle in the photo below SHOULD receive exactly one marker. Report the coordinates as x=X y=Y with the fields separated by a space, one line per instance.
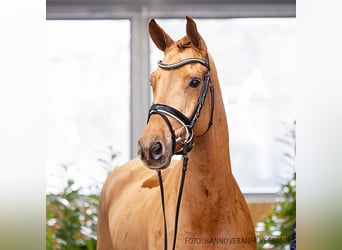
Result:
x=166 y=111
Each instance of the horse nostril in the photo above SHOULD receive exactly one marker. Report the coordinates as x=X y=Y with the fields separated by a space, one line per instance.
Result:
x=141 y=150
x=156 y=151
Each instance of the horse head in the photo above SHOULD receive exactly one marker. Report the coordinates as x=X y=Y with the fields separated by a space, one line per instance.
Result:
x=180 y=109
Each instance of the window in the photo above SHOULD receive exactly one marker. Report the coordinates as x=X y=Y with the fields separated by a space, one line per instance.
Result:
x=88 y=100
x=255 y=60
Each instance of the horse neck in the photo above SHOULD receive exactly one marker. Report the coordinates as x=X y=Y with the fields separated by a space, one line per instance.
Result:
x=211 y=150
x=208 y=179
x=210 y=154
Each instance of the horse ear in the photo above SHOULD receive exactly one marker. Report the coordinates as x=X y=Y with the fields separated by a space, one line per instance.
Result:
x=191 y=31
x=160 y=38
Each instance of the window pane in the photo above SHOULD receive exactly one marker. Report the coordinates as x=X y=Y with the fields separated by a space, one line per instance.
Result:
x=88 y=99
x=255 y=60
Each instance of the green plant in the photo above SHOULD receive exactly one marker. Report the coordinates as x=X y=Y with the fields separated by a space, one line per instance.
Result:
x=71 y=219
x=275 y=231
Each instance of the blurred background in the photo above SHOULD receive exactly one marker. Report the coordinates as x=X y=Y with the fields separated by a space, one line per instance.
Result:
x=100 y=57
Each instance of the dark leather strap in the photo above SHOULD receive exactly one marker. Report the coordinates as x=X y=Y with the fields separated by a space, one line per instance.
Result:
x=179 y=199
x=201 y=99
x=210 y=123
x=157 y=107
x=163 y=206
x=180 y=192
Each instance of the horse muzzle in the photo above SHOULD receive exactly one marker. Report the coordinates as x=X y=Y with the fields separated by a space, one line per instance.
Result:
x=154 y=153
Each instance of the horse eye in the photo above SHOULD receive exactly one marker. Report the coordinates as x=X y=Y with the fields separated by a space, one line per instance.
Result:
x=194 y=83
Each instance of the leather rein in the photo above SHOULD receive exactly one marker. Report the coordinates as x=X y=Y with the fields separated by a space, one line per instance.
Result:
x=165 y=112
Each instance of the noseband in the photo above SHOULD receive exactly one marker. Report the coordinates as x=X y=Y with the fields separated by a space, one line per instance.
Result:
x=166 y=111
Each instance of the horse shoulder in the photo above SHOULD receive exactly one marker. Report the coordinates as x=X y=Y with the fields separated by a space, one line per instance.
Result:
x=132 y=186
x=112 y=194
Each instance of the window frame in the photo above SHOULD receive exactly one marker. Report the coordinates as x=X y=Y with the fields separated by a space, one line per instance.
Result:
x=139 y=13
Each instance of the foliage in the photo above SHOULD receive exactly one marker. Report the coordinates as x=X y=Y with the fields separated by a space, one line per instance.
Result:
x=277 y=228
x=71 y=217
x=71 y=220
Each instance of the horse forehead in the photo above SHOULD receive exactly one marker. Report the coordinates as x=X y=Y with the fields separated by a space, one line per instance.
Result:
x=176 y=53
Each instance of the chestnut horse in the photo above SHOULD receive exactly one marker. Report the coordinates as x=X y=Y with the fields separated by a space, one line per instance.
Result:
x=213 y=212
